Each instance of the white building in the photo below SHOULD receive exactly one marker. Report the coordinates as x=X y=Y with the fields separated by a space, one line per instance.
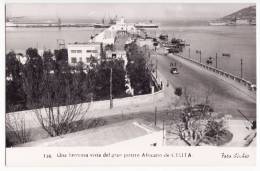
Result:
x=105 y=37
x=82 y=52
x=146 y=42
x=109 y=34
x=121 y=25
x=242 y=21
x=119 y=54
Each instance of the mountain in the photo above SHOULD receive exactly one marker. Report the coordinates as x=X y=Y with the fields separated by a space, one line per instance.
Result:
x=248 y=13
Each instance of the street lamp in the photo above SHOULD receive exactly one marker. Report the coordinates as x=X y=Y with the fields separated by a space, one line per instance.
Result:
x=199 y=52
x=111 y=96
x=241 y=68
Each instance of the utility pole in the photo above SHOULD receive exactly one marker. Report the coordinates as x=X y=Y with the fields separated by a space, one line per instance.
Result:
x=199 y=51
x=241 y=72
x=163 y=131
x=155 y=117
x=156 y=66
x=111 y=96
x=216 y=60
x=200 y=56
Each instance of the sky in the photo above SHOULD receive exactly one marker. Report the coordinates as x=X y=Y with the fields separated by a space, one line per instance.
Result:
x=147 y=11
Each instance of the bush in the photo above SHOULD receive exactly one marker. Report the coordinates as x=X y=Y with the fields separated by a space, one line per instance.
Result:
x=17 y=131
x=178 y=91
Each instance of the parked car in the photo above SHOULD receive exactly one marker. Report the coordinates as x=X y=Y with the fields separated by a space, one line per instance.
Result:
x=203 y=107
x=199 y=109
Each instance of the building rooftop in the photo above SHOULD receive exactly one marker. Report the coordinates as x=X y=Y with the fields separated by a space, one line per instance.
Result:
x=84 y=43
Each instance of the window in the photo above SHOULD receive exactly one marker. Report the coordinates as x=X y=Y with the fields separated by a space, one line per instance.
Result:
x=80 y=59
x=113 y=55
x=73 y=60
x=88 y=51
x=73 y=51
x=79 y=51
x=94 y=51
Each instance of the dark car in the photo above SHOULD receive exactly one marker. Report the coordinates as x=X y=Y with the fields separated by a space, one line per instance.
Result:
x=198 y=109
x=174 y=70
x=203 y=108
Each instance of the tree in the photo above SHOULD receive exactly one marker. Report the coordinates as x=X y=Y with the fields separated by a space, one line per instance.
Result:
x=61 y=55
x=139 y=74
x=62 y=105
x=195 y=124
x=48 y=62
x=32 y=78
x=15 y=96
x=155 y=44
x=102 y=79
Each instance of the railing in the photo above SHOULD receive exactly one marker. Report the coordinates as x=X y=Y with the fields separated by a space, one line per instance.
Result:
x=242 y=81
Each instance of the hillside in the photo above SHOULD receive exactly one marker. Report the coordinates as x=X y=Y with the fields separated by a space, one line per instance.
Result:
x=248 y=13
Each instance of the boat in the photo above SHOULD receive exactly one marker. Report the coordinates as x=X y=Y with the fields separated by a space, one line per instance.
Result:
x=103 y=25
x=218 y=23
x=99 y=25
x=146 y=25
x=226 y=54
x=163 y=37
x=10 y=24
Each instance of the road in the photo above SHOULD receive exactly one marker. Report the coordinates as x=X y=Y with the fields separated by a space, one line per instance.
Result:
x=223 y=97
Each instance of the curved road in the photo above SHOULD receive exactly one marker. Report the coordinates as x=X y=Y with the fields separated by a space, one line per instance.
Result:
x=223 y=97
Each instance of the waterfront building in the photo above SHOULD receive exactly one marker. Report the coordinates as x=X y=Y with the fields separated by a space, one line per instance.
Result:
x=122 y=26
x=117 y=55
x=242 y=21
x=146 y=42
x=83 y=52
x=108 y=35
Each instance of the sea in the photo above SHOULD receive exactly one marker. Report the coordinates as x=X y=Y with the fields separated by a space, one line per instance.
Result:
x=238 y=41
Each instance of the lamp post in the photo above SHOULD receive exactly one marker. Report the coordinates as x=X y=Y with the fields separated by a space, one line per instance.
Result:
x=241 y=67
x=216 y=60
x=199 y=52
x=111 y=95
x=156 y=66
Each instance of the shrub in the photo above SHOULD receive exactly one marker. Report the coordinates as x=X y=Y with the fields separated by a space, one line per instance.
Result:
x=178 y=91
x=16 y=130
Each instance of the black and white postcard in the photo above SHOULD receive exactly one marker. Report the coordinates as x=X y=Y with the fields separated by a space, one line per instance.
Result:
x=130 y=83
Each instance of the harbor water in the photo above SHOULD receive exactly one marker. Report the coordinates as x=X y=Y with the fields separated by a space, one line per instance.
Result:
x=238 y=41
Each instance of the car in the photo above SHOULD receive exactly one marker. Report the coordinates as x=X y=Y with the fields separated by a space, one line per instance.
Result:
x=198 y=109
x=174 y=70
x=203 y=107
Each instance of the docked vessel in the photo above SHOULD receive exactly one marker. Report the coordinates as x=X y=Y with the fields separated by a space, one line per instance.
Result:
x=146 y=25
x=100 y=25
x=217 y=23
x=163 y=37
x=104 y=25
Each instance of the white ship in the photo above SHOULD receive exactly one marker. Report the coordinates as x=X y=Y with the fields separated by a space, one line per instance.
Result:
x=218 y=23
x=10 y=24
